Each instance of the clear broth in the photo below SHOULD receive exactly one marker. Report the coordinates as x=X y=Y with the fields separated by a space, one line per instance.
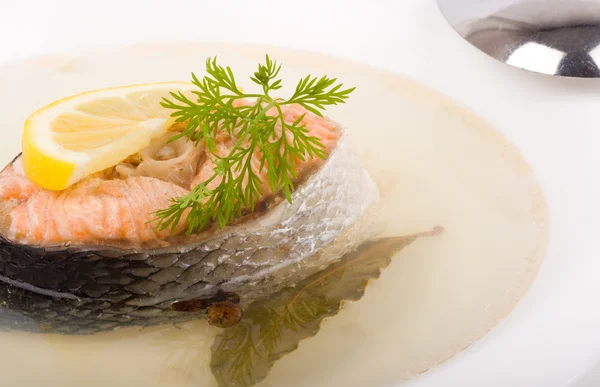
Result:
x=436 y=164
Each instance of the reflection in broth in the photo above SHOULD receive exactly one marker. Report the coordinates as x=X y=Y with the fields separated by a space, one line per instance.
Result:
x=242 y=355
x=243 y=352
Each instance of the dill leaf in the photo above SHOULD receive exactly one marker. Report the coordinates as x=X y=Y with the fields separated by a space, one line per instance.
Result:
x=212 y=111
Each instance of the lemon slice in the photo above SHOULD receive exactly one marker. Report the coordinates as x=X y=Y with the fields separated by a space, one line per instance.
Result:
x=89 y=132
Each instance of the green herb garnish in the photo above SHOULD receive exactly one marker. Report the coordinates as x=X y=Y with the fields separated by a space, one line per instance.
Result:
x=280 y=144
x=242 y=355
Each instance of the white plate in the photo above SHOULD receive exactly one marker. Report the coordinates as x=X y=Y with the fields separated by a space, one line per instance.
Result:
x=551 y=337
x=436 y=164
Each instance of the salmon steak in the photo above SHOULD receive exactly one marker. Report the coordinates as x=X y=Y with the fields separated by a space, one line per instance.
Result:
x=94 y=248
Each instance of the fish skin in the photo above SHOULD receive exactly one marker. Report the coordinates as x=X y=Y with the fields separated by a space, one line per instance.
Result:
x=252 y=259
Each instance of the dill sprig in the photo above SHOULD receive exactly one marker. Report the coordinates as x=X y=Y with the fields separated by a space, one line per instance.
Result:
x=279 y=144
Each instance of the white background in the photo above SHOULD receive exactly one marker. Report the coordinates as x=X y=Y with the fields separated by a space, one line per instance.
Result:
x=406 y=36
